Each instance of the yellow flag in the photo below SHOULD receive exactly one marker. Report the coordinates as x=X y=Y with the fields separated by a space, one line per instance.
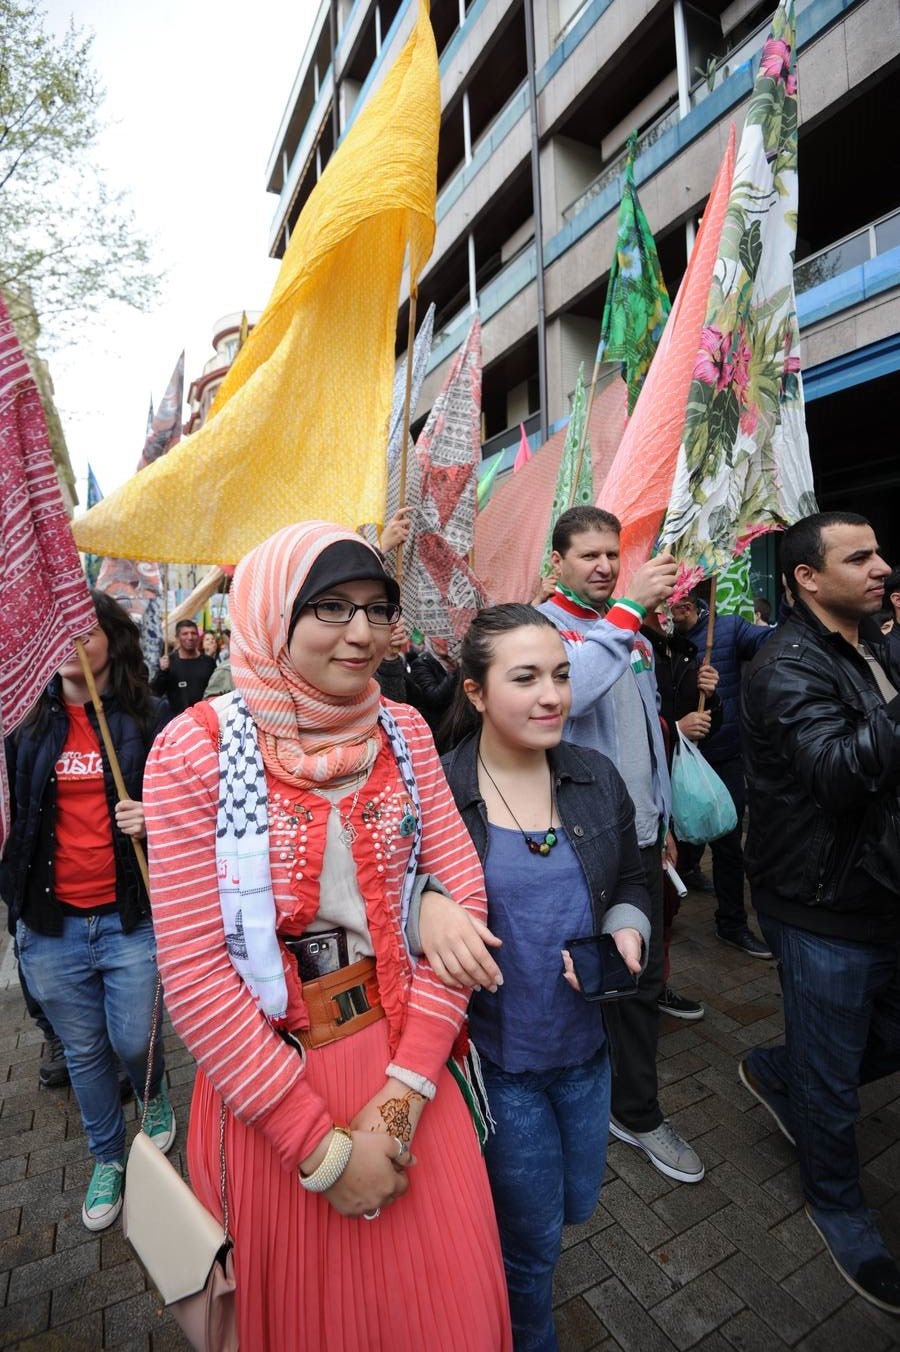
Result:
x=298 y=429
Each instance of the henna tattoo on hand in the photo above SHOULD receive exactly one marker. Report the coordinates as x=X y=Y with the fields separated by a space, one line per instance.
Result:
x=394 y=1113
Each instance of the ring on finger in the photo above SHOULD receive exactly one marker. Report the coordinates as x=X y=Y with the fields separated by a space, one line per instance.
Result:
x=402 y=1147
x=372 y=1215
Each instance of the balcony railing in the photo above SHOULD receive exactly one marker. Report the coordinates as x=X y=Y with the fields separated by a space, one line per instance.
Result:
x=666 y=119
x=719 y=71
x=302 y=153
x=499 y=127
x=510 y=436
x=492 y=295
x=570 y=22
x=873 y=239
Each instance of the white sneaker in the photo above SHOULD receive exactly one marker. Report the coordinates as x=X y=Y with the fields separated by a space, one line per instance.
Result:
x=665 y=1150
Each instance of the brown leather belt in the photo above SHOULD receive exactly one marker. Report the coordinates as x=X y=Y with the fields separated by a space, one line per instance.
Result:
x=344 y=1002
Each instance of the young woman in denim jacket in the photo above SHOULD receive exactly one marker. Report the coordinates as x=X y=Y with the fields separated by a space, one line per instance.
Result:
x=554 y=828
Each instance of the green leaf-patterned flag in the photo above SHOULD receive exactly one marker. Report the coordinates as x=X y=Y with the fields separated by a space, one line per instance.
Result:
x=568 y=492
x=733 y=594
x=637 y=302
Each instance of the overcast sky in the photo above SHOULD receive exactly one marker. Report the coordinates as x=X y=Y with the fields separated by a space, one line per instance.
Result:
x=195 y=94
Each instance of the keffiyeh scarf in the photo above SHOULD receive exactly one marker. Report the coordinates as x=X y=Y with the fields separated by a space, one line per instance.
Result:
x=246 y=897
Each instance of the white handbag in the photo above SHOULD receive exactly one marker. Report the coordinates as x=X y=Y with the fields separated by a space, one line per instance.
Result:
x=185 y=1250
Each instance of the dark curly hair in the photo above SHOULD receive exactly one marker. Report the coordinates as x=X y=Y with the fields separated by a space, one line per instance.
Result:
x=127 y=669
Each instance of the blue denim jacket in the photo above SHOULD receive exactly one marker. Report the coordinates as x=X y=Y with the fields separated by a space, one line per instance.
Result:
x=598 y=818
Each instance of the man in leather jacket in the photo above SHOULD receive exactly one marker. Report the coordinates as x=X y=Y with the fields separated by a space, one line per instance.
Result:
x=821 y=718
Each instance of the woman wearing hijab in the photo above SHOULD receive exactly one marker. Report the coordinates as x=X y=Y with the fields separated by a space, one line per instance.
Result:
x=291 y=825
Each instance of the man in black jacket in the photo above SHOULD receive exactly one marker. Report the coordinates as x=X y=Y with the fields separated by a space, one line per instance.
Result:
x=184 y=674
x=821 y=715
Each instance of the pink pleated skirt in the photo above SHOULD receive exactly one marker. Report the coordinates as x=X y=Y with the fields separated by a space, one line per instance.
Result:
x=427 y=1273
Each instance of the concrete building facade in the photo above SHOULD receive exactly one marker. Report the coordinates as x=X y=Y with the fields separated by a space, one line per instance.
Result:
x=538 y=98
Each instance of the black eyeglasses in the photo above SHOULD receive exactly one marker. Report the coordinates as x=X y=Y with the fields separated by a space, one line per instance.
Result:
x=335 y=611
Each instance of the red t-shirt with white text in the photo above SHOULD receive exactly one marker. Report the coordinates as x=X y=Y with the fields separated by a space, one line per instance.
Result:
x=84 y=865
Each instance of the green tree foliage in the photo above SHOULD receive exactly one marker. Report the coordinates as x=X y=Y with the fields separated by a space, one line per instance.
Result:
x=66 y=238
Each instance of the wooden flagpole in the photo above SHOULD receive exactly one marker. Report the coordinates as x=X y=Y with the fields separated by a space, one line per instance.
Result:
x=407 y=400
x=165 y=623
x=110 y=752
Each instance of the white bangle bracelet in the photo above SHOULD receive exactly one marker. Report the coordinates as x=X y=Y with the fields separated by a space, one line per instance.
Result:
x=337 y=1157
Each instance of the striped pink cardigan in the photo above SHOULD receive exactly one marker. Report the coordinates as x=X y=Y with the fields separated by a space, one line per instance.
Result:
x=260 y=1077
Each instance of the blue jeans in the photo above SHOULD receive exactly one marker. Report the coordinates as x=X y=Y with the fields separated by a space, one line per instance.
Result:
x=545 y=1163
x=96 y=986
x=842 y=1029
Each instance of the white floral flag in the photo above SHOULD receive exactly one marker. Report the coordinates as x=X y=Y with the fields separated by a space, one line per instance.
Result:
x=743 y=467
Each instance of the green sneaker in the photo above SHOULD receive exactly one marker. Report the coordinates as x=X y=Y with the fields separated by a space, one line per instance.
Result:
x=104 y=1195
x=160 y=1122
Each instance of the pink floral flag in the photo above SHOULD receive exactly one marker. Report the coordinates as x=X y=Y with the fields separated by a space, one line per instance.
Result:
x=743 y=466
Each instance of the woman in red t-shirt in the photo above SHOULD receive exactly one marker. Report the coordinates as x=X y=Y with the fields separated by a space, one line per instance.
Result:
x=70 y=874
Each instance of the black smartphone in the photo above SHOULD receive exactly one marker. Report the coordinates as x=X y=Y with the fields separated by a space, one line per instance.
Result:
x=600 y=968
x=318 y=954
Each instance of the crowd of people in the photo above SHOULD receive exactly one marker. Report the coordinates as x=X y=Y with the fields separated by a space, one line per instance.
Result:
x=351 y=928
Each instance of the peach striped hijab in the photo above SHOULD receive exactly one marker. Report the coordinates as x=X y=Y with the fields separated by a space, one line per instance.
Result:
x=305 y=736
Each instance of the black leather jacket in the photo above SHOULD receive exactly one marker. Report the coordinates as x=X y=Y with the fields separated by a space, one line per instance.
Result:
x=823 y=769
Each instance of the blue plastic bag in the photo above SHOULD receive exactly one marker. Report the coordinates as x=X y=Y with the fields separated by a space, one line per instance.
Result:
x=702 y=807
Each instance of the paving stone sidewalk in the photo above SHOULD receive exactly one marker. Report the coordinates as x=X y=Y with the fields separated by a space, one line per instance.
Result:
x=730 y=1263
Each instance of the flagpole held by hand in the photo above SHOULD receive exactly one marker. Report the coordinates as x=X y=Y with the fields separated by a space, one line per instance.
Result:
x=110 y=751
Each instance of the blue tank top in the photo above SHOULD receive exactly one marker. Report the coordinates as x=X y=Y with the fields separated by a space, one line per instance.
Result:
x=535 y=1021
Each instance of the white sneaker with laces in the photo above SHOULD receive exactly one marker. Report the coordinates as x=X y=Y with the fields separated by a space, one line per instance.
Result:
x=665 y=1150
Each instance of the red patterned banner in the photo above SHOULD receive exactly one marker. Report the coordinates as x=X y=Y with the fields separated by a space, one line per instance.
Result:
x=44 y=600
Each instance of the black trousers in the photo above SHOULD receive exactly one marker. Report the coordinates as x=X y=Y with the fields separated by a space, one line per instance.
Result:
x=728 y=855
x=634 y=1023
